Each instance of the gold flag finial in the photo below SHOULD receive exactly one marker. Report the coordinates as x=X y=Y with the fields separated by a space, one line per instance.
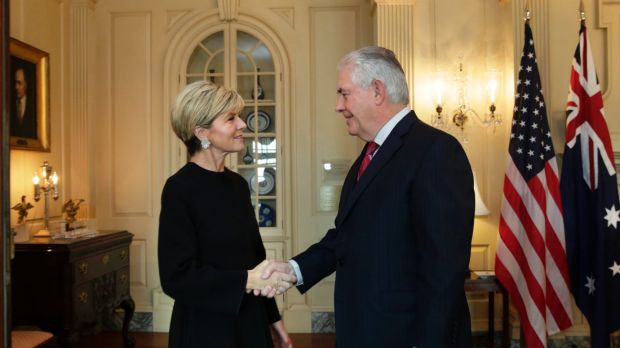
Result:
x=527 y=11
x=582 y=11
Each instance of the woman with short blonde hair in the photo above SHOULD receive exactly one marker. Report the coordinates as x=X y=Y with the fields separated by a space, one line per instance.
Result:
x=210 y=249
x=197 y=105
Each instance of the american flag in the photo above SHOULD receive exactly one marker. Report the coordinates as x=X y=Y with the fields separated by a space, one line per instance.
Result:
x=590 y=199
x=531 y=256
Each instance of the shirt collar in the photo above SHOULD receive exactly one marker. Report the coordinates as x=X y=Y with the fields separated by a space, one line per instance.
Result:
x=389 y=125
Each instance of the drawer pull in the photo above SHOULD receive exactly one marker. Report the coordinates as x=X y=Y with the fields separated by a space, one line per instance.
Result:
x=83 y=267
x=83 y=297
x=123 y=254
x=105 y=259
x=123 y=278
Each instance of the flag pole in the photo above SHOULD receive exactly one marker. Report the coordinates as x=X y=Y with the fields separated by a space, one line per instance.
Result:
x=527 y=11
x=582 y=13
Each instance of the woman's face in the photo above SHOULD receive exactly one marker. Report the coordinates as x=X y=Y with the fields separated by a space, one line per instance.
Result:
x=226 y=133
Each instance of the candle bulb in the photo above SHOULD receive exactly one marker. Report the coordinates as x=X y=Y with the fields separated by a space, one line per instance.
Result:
x=439 y=91
x=492 y=90
x=55 y=183
x=35 y=181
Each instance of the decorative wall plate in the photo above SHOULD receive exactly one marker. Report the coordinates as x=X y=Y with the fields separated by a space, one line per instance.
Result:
x=265 y=185
x=264 y=120
x=266 y=215
x=266 y=141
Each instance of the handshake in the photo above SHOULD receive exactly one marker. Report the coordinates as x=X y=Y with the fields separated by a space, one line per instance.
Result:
x=270 y=278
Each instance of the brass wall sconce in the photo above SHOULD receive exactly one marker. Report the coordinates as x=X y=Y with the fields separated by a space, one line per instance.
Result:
x=463 y=111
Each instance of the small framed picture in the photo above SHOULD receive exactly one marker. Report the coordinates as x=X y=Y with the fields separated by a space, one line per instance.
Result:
x=29 y=121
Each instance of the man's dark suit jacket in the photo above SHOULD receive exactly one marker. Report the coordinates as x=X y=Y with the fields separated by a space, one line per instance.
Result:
x=401 y=244
x=27 y=127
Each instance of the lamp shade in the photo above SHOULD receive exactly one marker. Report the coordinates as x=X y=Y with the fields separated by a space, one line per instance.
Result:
x=481 y=208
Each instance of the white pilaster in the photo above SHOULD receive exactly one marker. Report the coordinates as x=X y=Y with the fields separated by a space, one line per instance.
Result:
x=395 y=23
x=81 y=140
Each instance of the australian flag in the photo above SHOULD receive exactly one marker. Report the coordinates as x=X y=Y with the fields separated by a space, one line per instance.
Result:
x=590 y=200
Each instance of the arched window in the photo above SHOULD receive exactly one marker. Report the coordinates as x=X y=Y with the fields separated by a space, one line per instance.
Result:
x=239 y=59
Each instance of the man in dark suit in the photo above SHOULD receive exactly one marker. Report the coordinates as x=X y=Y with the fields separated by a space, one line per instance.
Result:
x=23 y=114
x=401 y=243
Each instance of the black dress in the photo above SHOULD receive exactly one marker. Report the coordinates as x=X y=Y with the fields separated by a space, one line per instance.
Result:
x=208 y=239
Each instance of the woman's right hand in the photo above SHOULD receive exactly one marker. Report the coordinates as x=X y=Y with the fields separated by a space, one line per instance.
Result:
x=276 y=284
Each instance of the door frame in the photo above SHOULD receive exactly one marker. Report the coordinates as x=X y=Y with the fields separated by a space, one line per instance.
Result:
x=4 y=178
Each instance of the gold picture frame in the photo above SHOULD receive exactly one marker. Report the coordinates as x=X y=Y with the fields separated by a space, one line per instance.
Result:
x=29 y=119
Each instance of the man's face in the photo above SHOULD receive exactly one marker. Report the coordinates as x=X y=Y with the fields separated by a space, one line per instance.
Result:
x=20 y=83
x=356 y=105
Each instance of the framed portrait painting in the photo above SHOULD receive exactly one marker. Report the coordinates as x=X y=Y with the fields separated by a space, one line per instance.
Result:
x=29 y=119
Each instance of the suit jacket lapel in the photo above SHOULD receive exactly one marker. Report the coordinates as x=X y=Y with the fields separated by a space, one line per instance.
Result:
x=349 y=182
x=352 y=190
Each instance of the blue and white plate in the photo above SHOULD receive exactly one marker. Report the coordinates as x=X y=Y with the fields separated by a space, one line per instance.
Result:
x=263 y=122
x=264 y=184
x=266 y=215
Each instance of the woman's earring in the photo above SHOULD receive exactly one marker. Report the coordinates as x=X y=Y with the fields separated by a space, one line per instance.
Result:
x=205 y=143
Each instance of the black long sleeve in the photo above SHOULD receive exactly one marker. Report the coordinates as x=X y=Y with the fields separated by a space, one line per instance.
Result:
x=208 y=239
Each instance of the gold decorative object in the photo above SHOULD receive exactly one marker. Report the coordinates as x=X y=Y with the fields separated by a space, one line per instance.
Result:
x=22 y=210
x=70 y=208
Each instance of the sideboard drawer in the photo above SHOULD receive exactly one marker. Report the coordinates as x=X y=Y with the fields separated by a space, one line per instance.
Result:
x=94 y=266
x=122 y=283
x=83 y=306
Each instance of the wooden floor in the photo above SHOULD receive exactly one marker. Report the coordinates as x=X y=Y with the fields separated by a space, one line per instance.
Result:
x=160 y=340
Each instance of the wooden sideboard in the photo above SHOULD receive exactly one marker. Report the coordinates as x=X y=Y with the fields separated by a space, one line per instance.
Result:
x=72 y=287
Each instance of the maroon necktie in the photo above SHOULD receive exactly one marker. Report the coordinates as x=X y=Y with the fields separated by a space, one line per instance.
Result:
x=370 y=150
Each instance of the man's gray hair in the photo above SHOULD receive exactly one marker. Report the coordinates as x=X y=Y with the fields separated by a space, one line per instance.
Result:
x=378 y=63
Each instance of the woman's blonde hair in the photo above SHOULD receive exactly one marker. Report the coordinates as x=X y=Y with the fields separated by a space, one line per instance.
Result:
x=198 y=105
